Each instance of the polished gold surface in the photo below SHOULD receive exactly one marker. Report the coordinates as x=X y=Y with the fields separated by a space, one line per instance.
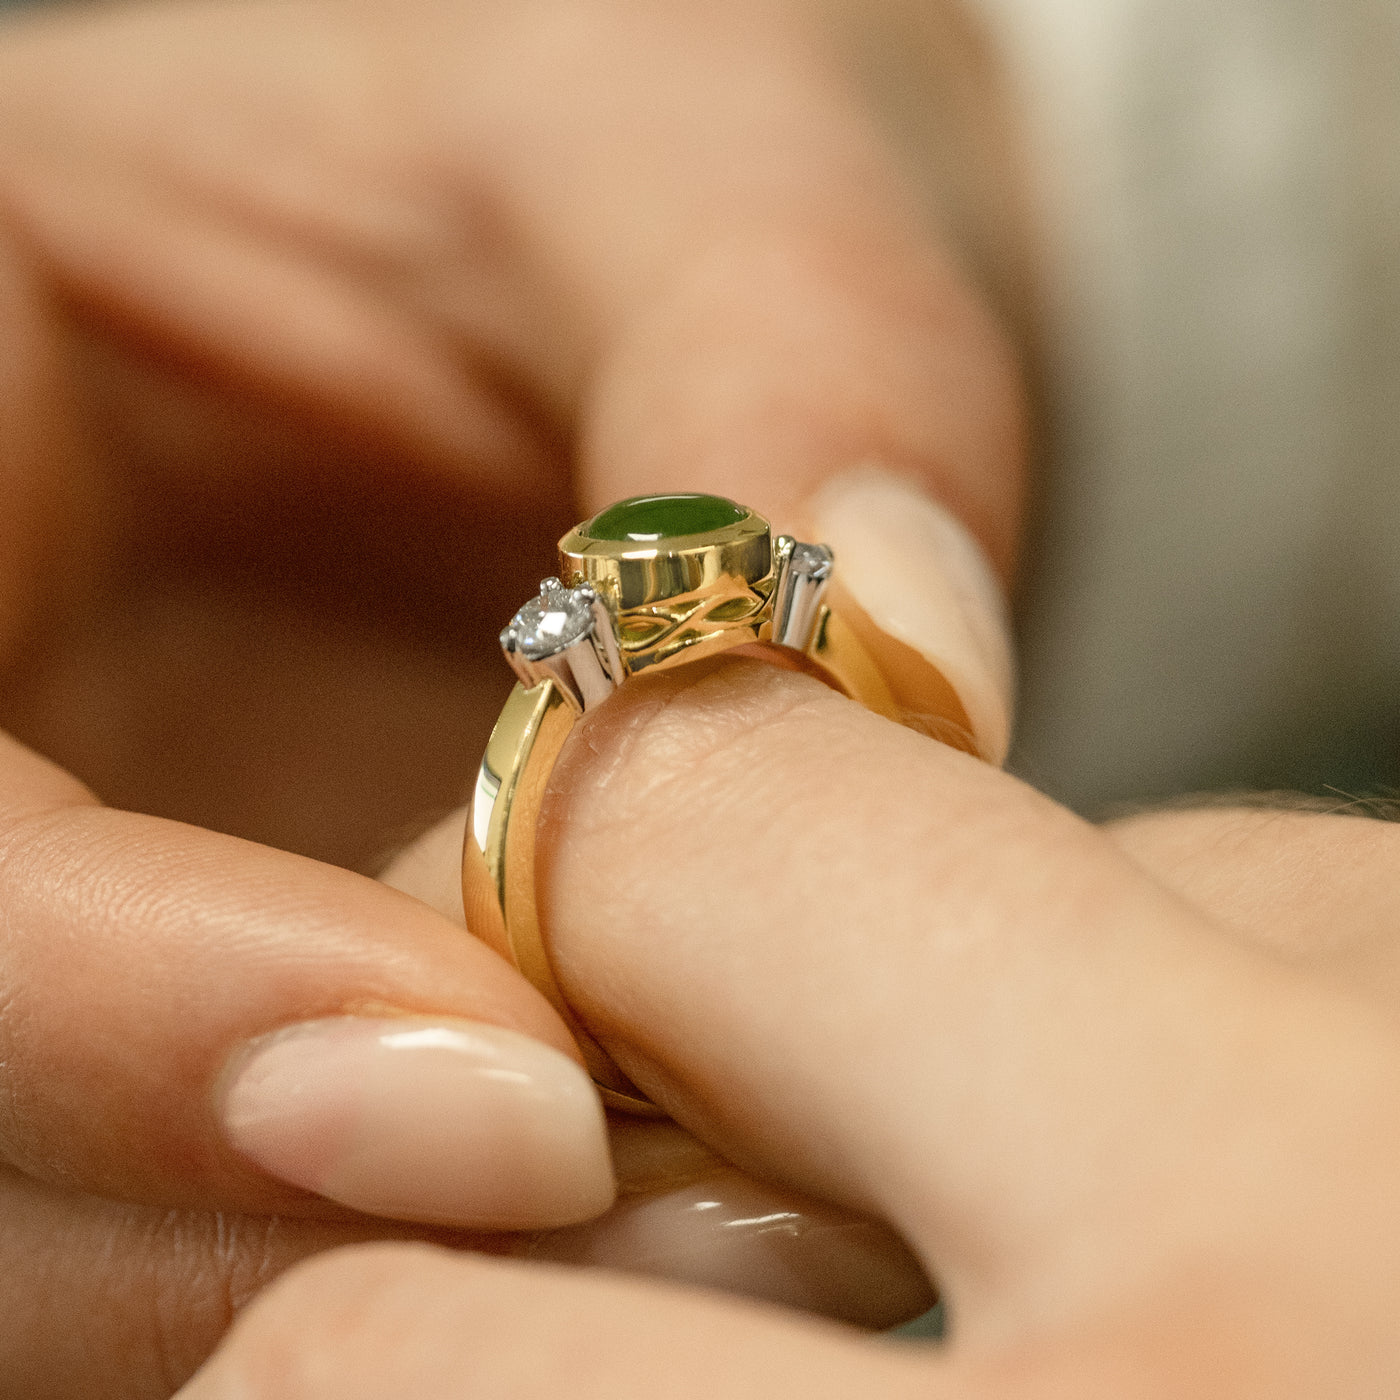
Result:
x=838 y=657
x=631 y=574
x=673 y=602
x=681 y=598
x=891 y=678
x=498 y=861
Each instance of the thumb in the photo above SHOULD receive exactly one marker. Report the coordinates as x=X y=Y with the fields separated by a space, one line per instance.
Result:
x=774 y=321
x=776 y=307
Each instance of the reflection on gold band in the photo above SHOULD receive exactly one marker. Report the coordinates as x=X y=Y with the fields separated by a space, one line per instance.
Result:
x=632 y=575
x=498 y=860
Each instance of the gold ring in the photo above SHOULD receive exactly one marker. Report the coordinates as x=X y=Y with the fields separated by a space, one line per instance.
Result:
x=651 y=582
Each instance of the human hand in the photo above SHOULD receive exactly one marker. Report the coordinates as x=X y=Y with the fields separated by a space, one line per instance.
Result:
x=1144 y=1155
x=320 y=323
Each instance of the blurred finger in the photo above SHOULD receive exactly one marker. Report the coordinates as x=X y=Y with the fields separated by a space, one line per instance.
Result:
x=746 y=301
x=779 y=311
x=43 y=527
x=779 y=325
x=739 y=290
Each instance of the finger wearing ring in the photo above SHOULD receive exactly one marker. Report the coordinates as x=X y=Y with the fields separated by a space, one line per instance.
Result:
x=649 y=583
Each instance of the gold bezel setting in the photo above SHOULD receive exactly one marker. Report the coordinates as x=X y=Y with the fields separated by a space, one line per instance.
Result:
x=709 y=590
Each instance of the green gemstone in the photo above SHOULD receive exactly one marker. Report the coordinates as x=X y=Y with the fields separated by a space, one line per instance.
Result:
x=647 y=519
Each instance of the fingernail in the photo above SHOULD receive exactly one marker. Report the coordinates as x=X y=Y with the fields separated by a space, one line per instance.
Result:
x=446 y=1122
x=729 y=1232
x=924 y=581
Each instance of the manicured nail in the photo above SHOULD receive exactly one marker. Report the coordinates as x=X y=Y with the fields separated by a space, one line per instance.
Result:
x=922 y=579
x=727 y=1231
x=442 y=1121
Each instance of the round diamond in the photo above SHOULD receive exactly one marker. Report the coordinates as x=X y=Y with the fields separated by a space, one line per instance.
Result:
x=814 y=561
x=558 y=618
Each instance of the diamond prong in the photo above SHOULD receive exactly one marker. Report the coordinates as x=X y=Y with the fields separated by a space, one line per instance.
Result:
x=565 y=635
x=804 y=571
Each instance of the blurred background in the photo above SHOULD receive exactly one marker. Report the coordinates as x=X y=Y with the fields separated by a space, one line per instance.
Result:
x=1212 y=594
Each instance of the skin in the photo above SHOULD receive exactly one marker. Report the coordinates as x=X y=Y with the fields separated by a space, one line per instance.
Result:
x=1130 y=1092
x=321 y=322
x=436 y=294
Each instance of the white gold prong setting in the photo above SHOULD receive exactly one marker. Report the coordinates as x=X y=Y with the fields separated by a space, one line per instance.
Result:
x=566 y=635
x=804 y=571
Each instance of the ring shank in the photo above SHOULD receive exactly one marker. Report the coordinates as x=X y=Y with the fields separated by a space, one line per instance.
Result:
x=498 y=862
